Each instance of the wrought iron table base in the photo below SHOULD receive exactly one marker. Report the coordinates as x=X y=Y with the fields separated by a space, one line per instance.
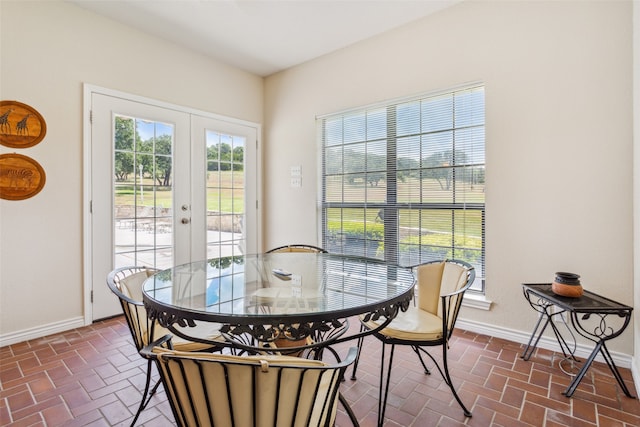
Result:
x=547 y=314
x=602 y=349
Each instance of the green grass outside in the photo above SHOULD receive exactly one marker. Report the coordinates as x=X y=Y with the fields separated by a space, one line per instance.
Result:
x=408 y=191
x=218 y=199
x=226 y=200
x=438 y=221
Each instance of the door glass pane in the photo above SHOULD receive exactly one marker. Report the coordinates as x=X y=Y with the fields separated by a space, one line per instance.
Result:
x=143 y=194
x=225 y=194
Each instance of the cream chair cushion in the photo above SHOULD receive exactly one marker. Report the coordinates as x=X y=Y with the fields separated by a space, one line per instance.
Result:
x=131 y=286
x=206 y=331
x=249 y=360
x=300 y=249
x=424 y=321
x=239 y=377
x=414 y=324
x=454 y=277
x=429 y=279
x=296 y=248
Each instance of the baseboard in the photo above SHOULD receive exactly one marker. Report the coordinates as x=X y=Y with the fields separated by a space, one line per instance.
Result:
x=635 y=373
x=41 y=331
x=547 y=342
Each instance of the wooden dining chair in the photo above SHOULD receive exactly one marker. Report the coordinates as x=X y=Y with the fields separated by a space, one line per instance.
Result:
x=126 y=284
x=206 y=389
x=297 y=248
x=429 y=322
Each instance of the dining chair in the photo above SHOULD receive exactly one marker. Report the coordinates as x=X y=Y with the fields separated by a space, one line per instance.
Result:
x=206 y=389
x=297 y=248
x=428 y=322
x=126 y=284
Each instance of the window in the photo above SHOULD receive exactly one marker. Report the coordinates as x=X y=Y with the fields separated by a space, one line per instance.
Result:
x=142 y=192
x=404 y=181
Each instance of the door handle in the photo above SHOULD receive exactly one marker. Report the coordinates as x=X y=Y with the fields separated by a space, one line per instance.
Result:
x=185 y=220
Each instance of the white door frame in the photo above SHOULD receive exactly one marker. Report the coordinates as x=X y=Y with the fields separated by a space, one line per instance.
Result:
x=88 y=90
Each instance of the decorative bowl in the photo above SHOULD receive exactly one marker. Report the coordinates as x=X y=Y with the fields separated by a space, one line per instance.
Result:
x=567 y=285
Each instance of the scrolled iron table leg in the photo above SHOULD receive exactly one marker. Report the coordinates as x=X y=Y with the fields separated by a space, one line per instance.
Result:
x=545 y=309
x=599 y=335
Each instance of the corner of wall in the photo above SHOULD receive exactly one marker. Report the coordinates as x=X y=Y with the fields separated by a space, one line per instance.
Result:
x=636 y=187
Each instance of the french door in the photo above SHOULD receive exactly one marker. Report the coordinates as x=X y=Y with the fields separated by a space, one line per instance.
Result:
x=167 y=186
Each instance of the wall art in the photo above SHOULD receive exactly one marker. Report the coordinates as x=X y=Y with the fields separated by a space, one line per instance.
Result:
x=21 y=177
x=21 y=126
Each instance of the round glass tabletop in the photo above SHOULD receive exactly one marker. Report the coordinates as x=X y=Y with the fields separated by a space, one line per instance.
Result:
x=251 y=289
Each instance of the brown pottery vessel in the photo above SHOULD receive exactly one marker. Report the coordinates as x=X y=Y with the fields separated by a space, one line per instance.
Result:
x=567 y=285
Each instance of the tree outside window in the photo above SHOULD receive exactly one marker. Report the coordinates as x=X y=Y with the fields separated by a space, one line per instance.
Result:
x=404 y=181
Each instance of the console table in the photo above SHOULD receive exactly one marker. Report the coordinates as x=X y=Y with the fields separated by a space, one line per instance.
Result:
x=580 y=310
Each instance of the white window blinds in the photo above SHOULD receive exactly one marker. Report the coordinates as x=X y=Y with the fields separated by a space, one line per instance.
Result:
x=404 y=181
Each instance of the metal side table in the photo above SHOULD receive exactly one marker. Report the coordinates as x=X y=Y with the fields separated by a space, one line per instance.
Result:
x=582 y=311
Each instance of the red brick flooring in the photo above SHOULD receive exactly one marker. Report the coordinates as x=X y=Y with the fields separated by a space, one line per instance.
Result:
x=93 y=376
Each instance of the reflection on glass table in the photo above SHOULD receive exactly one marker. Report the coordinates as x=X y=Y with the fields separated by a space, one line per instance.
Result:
x=301 y=298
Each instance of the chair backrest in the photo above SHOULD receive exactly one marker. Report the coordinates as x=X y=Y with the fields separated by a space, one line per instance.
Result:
x=207 y=389
x=441 y=288
x=126 y=284
x=428 y=282
x=297 y=248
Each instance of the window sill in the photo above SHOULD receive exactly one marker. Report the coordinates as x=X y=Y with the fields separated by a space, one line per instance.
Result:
x=476 y=301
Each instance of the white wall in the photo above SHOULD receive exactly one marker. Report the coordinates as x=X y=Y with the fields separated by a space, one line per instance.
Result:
x=636 y=181
x=559 y=136
x=48 y=50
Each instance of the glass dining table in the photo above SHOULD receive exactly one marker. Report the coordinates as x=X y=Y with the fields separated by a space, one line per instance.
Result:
x=302 y=299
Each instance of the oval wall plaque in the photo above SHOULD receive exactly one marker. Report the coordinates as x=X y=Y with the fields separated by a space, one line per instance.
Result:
x=21 y=126
x=21 y=177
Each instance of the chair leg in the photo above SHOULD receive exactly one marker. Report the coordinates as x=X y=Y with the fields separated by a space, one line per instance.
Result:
x=382 y=401
x=355 y=364
x=424 y=366
x=348 y=410
x=447 y=379
x=146 y=395
x=446 y=376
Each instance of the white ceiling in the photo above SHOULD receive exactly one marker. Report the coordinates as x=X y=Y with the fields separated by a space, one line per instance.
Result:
x=264 y=36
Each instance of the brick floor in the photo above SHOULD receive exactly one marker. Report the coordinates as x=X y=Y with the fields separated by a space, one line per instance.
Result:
x=92 y=376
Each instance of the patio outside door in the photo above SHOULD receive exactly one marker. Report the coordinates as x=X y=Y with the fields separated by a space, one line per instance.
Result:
x=167 y=187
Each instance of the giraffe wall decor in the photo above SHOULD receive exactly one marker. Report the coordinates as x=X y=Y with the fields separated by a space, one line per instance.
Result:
x=21 y=126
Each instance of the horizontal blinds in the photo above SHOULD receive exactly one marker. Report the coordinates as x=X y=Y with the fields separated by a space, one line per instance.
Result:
x=405 y=181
